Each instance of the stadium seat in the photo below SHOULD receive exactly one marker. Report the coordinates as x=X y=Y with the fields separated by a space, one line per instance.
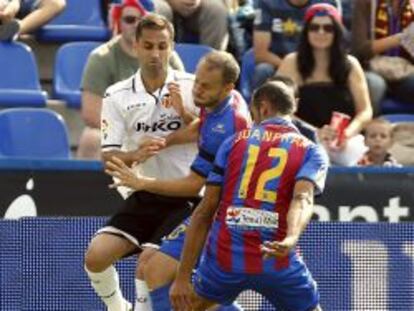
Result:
x=397 y=118
x=191 y=54
x=19 y=83
x=69 y=63
x=390 y=105
x=246 y=74
x=80 y=21
x=33 y=133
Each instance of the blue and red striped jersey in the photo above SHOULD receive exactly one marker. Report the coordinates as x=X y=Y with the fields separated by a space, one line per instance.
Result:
x=257 y=169
x=232 y=115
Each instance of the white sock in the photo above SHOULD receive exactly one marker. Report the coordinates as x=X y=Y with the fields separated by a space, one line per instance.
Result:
x=106 y=286
x=143 y=299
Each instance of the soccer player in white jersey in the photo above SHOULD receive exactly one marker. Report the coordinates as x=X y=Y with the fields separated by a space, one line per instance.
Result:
x=135 y=128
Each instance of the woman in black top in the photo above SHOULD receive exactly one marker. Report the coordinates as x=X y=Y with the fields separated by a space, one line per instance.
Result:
x=329 y=80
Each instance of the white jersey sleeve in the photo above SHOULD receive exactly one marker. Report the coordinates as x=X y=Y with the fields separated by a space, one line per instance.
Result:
x=112 y=124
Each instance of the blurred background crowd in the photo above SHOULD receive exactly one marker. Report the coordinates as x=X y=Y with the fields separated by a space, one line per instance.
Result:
x=351 y=60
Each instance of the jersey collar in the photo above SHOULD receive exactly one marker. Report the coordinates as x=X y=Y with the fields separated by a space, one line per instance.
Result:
x=222 y=106
x=280 y=121
x=138 y=85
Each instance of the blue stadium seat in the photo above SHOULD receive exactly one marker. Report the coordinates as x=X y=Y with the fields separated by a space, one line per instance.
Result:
x=33 y=133
x=396 y=118
x=191 y=54
x=80 y=21
x=246 y=74
x=69 y=64
x=390 y=105
x=19 y=83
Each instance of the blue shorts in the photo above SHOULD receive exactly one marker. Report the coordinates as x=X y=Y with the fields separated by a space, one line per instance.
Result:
x=172 y=244
x=291 y=289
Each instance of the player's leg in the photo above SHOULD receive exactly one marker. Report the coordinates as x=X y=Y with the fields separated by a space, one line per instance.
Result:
x=213 y=286
x=103 y=251
x=292 y=288
x=142 y=297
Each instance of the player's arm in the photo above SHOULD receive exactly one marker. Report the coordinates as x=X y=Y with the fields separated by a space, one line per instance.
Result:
x=196 y=234
x=188 y=134
x=147 y=149
x=176 y=101
x=300 y=212
x=187 y=186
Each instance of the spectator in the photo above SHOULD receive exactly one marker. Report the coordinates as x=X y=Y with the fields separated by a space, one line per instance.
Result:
x=378 y=139
x=113 y=61
x=206 y=18
x=380 y=28
x=329 y=80
x=277 y=29
x=403 y=143
x=19 y=17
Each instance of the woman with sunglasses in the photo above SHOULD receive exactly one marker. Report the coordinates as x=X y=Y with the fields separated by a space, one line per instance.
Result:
x=329 y=80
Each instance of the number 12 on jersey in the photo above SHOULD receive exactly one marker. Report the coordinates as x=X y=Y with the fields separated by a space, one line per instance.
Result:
x=261 y=194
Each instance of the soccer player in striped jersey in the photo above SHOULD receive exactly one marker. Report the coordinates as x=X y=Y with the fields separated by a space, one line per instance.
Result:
x=258 y=201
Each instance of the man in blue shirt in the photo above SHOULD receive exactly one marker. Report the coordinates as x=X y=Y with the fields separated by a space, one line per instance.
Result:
x=223 y=113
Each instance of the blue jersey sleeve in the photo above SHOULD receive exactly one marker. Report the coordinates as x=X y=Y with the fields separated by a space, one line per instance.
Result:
x=315 y=168
x=203 y=163
x=216 y=175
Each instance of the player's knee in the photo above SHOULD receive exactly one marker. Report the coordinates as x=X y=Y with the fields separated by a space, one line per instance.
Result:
x=156 y=277
x=143 y=259
x=95 y=260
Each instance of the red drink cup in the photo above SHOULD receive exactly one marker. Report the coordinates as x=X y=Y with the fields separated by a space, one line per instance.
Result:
x=339 y=122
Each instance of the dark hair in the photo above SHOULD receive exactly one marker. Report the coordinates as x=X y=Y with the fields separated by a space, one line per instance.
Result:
x=278 y=94
x=155 y=22
x=286 y=80
x=225 y=62
x=339 y=66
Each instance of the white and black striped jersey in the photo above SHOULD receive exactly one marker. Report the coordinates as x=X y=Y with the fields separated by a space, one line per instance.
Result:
x=130 y=113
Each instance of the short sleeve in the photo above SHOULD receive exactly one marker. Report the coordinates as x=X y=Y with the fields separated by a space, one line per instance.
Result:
x=112 y=125
x=216 y=175
x=263 y=18
x=96 y=76
x=315 y=168
x=203 y=163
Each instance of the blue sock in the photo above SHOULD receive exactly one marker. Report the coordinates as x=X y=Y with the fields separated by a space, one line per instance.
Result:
x=233 y=307
x=160 y=298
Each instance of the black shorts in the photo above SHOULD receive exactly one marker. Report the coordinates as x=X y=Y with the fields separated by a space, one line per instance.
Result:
x=145 y=218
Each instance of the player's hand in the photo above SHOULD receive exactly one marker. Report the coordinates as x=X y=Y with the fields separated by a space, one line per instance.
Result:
x=149 y=147
x=278 y=249
x=182 y=295
x=124 y=175
x=174 y=99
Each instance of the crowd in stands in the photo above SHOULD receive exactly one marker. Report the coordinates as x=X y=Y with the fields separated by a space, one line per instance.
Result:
x=344 y=56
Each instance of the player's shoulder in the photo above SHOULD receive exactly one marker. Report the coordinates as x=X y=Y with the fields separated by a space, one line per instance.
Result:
x=121 y=87
x=239 y=105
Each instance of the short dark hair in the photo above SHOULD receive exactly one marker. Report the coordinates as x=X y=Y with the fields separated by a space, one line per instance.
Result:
x=225 y=62
x=286 y=80
x=155 y=22
x=278 y=94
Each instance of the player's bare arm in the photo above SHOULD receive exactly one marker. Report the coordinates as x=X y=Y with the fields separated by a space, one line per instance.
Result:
x=181 y=293
x=148 y=148
x=300 y=212
x=188 y=186
x=188 y=134
x=175 y=100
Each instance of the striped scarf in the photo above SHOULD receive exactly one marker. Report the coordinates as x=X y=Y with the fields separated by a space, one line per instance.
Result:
x=388 y=23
